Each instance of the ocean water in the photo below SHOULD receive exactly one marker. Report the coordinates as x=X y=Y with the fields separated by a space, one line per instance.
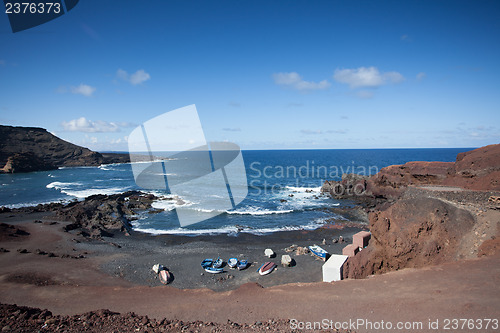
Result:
x=283 y=188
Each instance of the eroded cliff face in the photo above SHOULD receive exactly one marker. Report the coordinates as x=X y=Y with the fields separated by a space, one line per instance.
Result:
x=478 y=169
x=412 y=220
x=25 y=149
x=411 y=233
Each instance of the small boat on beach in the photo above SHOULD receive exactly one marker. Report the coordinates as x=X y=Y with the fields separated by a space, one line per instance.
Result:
x=212 y=266
x=207 y=263
x=267 y=268
x=218 y=263
x=232 y=262
x=242 y=264
x=164 y=276
x=213 y=270
x=318 y=251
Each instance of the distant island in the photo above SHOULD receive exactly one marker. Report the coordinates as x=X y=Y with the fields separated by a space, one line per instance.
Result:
x=27 y=149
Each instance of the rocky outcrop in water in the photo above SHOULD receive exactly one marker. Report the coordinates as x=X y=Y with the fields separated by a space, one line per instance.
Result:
x=100 y=215
x=25 y=149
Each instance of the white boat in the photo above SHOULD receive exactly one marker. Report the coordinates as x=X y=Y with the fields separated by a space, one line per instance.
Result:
x=232 y=262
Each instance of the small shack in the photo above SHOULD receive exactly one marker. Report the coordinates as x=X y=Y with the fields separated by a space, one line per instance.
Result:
x=350 y=250
x=361 y=239
x=333 y=268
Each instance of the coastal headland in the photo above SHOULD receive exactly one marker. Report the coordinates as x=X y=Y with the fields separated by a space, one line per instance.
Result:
x=434 y=256
x=28 y=149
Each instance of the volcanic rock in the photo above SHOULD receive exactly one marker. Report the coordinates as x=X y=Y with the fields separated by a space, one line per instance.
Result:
x=477 y=169
x=411 y=233
x=25 y=149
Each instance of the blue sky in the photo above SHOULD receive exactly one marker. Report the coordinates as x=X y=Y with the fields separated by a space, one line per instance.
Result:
x=263 y=74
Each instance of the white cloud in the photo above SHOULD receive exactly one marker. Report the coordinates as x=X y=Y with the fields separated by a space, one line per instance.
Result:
x=139 y=77
x=136 y=78
x=294 y=80
x=82 y=124
x=393 y=77
x=83 y=89
x=366 y=77
x=121 y=74
x=421 y=76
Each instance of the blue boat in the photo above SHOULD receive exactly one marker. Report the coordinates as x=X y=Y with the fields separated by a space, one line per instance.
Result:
x=242 y=264
x=318 y=252
x=213 y=270
x=232 y=262
x=218 y=263
x=207 y=263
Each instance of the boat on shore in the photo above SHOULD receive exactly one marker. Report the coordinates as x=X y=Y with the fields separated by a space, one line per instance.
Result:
x=207 y=263
x=242 y=264
x=213 y=270
x=164 y=276
x=319 y=252
x=218 y=263
x=267 y=268
x=212 y=266
x=232 y=262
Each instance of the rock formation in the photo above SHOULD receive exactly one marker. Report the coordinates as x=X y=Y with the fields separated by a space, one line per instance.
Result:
x=478 y=169
x=411 y=233
x=98 y=215
x=410 y=226
x=25 y=149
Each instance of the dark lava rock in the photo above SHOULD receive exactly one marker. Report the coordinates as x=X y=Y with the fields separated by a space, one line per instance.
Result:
x=26 y=149
x=100 y=215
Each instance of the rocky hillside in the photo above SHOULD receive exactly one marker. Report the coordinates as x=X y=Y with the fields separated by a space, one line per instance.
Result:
x=478 y=169
x=426 y=213
x=25 y=149
x=411 y=233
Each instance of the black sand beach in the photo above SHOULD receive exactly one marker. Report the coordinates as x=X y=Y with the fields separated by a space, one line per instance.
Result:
x=132 y=257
